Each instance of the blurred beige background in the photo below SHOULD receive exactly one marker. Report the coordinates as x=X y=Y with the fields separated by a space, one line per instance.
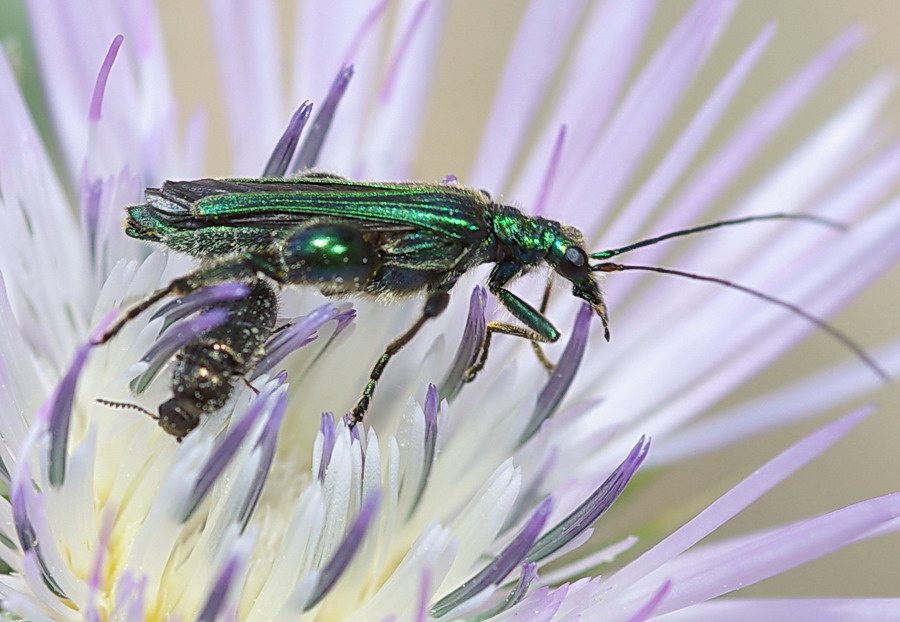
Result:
x=865 y=464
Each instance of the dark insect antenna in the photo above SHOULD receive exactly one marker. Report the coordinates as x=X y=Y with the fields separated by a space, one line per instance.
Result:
x=127 y=405
x=715 y=225
x=818 y=322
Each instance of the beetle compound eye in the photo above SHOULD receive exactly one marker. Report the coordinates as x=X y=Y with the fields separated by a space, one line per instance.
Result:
x=574 y=264
x=329 y=254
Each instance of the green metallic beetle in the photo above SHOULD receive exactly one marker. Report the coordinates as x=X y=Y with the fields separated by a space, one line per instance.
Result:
x=385 y=240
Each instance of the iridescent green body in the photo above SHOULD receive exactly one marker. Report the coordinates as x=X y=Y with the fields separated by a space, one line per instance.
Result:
x=405 y=237
x=384 y=240
x=346 y=237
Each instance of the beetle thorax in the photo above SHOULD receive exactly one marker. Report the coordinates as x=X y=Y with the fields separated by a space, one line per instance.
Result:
x=525 y=239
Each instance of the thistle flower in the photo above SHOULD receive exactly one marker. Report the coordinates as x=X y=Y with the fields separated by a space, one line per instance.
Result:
x=453 y=502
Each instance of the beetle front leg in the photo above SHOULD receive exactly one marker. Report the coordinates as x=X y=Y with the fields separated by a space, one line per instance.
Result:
x=537 y=329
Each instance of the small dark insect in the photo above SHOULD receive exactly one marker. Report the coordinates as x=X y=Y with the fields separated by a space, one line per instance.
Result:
x=385 y=240
x=208 y=367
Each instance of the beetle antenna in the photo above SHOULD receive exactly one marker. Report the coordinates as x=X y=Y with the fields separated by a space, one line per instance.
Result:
x=131 y=313
x=140 y=409
x=715 y=225
x=819 y=323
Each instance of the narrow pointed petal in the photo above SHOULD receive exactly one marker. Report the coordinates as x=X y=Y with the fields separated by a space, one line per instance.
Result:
x=593 y=507
x=498 y=569
x=739 y=497
x=281 y=157
x=563 y=374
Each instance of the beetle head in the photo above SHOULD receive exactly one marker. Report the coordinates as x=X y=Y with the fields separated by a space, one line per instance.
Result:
x=571 y=261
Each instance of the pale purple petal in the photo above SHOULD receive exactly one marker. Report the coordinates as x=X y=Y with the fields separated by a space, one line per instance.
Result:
x=223 y=454
x=130 y=597
x=429 y=444
x=750 y=345
x=28 y=511
x=563 y=374
x=96 y=109
x=724 y=166
x=396 y=124
x=266 y=448
x=542 y=605
x=301 y=333
x=247 y=43
x=593 y=507
x=534 y=491
x=91 y=194
x=633 y=216
x=500 y=567
x=791 y=610
x=533 y=61
x=218 y=595
x=550 y=174
x=601 y=64
x=647 y=106
x=518 y=593
x=184 y=306
x=703 y=577
x=329 y=36
x=421 y=614
x=326 y=430
x=728 y=505
x=650 y=608
x=95 y=582
x=782 y=407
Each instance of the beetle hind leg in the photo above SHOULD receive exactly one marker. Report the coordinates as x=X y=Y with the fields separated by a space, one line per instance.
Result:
x=505 y=328
x=536 y=345
x=434 y=306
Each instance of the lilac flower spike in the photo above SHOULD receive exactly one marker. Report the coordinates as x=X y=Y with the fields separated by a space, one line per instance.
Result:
x=496 y=571
x=216 y=602
x=284 y=151
x=309 y=151
x=485 y=500
x=100 y=87
x=338 y=563
x=175 y=338
x=562 y=376
x=593 y=507
x=469 y=345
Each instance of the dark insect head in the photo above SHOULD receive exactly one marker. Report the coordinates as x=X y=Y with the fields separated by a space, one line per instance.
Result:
x=571 y=261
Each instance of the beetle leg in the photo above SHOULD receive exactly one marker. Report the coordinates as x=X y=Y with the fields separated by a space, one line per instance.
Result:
x=434 y=306
x=229 y=269
x=505 y=328
x=536 y=345
x=537 y=327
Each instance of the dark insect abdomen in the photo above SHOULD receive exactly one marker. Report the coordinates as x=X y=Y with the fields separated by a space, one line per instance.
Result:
x=207 y=369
